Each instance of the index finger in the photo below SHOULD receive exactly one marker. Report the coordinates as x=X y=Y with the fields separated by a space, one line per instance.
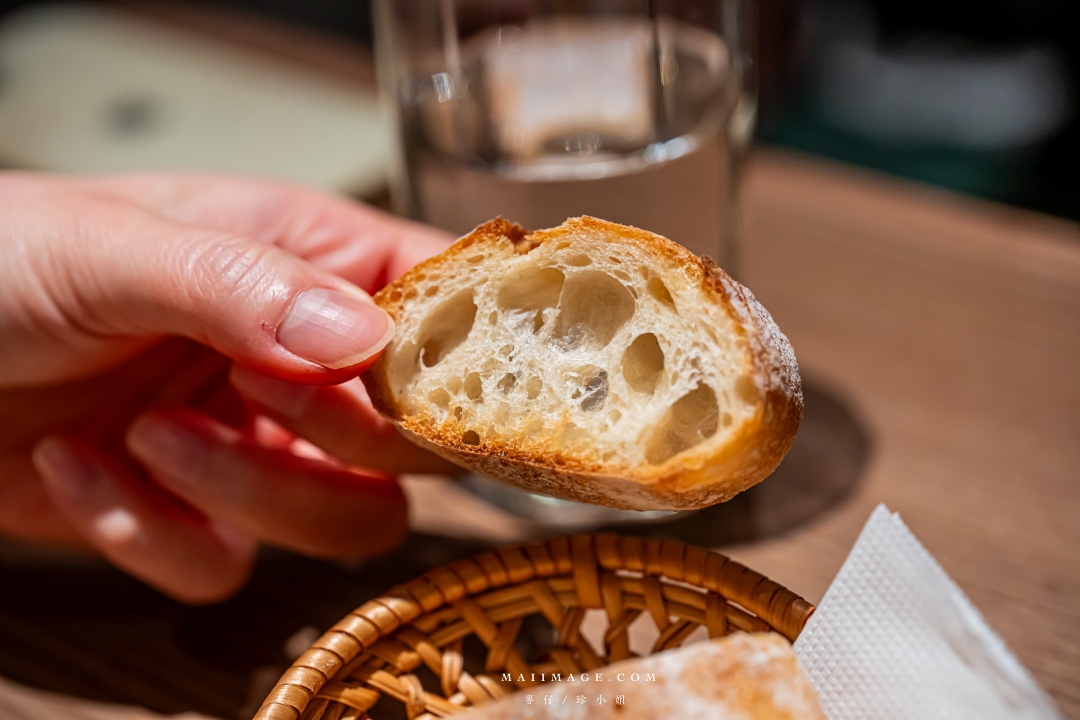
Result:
x=360 y=243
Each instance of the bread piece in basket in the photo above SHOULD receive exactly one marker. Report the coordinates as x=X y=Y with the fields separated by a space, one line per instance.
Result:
x=593 y=361
x=733 y=678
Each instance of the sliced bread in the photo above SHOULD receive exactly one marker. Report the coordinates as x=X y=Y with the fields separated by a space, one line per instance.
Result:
x=592 y=361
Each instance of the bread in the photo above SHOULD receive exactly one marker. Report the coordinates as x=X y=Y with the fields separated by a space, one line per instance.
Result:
x=737 y=677
x=592 y=361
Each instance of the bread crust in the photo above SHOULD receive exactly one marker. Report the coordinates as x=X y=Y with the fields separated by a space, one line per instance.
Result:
x=698 y=477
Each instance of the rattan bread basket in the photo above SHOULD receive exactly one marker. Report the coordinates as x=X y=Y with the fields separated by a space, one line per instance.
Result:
x=374 y=651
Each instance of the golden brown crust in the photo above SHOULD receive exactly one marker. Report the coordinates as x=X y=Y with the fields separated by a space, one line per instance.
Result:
x=695 y=478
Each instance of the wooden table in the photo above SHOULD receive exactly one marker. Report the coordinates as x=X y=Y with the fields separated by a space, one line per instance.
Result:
x=953 y=326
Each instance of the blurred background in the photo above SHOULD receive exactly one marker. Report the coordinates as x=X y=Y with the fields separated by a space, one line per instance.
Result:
x=976 y=97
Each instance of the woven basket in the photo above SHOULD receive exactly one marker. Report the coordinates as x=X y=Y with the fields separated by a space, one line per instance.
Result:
x=374 y=651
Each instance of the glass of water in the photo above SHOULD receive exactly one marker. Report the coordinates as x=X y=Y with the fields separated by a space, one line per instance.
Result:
x=540 y=110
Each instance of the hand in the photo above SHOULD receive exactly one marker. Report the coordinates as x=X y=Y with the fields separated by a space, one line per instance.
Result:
x=149 y=326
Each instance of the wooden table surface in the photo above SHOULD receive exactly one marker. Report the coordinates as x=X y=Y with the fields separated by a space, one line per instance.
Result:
x=953 y=327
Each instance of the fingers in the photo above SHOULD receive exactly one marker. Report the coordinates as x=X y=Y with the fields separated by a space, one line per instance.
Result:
x=339 y=420
x=96 y=268
x=358 y=242
x=140 y=529
x=26 y=511
x=300 y=503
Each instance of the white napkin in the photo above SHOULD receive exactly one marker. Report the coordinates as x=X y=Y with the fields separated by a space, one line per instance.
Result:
x=896 y=638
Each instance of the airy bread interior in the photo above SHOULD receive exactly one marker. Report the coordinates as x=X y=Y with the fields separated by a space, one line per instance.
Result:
x=582 y=347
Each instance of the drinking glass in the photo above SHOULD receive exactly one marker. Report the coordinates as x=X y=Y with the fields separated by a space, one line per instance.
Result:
x=540 y=110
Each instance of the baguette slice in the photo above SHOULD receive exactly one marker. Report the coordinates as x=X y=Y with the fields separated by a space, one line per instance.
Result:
x=592 y=361
x=737 y=677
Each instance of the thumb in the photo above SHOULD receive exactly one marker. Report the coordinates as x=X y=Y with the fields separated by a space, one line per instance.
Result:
x=140 y=276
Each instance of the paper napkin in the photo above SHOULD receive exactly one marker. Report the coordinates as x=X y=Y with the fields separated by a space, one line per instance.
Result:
x=896 y=638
